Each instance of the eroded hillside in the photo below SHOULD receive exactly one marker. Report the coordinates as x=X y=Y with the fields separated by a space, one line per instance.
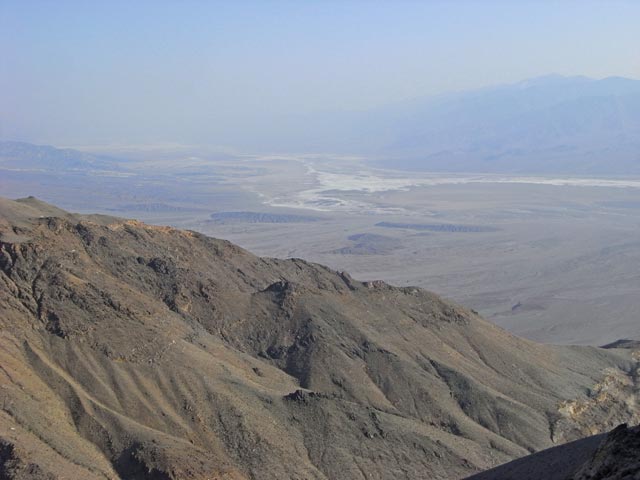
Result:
x=134 y=351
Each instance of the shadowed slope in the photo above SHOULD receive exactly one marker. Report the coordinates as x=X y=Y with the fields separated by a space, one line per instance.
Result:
x=613 y=456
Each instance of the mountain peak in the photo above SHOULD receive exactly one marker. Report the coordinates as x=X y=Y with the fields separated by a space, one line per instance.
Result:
x=552 y=79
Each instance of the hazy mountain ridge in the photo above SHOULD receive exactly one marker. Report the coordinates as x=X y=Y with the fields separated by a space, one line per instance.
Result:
x=134 y=351
x=551 y=124
x=27 y=156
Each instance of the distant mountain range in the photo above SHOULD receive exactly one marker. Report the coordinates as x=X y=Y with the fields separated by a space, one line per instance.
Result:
x=26 y=156
x=550 y=124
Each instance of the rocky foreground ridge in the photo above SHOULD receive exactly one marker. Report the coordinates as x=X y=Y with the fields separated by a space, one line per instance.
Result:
x=143 y=352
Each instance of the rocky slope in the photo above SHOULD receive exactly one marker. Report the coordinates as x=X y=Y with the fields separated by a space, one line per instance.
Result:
x=136 y=351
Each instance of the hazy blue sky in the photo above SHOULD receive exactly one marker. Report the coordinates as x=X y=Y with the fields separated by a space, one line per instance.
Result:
x=192 y=71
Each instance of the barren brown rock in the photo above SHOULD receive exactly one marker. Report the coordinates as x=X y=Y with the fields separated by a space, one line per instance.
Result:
x=136 y=351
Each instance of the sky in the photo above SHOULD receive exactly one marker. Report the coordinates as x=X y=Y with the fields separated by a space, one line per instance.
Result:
x=206 y=72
